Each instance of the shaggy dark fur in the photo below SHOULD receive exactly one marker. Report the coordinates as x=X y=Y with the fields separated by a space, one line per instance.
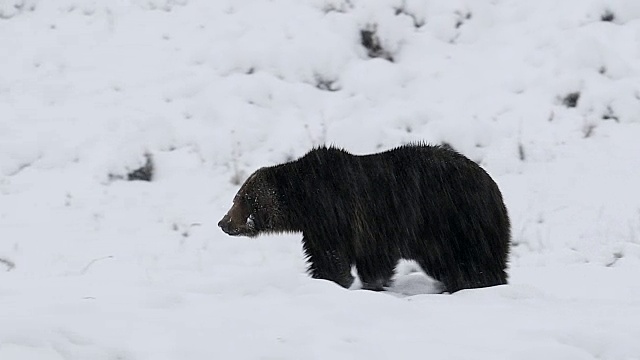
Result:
x=419 y=202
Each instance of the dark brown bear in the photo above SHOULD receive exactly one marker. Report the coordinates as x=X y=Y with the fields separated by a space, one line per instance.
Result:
x=424 y=203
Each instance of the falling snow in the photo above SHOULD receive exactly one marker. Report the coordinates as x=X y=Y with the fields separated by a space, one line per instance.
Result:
x=96 y=264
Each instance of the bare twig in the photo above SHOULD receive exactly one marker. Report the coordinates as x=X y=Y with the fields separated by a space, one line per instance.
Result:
x=86 y=268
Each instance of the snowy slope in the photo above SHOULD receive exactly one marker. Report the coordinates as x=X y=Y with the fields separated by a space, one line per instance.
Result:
x=545 y=95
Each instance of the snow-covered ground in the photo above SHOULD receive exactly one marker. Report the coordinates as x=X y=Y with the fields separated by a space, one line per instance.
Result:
x=545 y=95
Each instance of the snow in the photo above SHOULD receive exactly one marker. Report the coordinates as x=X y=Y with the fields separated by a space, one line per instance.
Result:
x=96 y=267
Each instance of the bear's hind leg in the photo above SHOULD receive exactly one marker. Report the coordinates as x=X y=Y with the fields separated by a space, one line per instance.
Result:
x=471 y=278
x=434 y=269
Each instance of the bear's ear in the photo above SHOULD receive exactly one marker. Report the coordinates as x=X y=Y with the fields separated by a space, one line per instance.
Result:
x=252 y=179
x=246 y=185
x=252 y=176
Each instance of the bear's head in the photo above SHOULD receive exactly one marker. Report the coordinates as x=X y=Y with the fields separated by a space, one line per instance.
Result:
x=255 y=208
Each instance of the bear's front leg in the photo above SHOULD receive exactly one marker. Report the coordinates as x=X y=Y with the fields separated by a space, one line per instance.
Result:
x=328 y=264
x=375 y=272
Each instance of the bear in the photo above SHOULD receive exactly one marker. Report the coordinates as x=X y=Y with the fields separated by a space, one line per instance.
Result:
x=421 y=202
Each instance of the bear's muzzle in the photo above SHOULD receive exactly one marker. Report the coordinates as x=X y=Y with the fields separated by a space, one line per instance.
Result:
x=226 y=226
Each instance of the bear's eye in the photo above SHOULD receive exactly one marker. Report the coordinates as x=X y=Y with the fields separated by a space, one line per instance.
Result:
x=250 y=222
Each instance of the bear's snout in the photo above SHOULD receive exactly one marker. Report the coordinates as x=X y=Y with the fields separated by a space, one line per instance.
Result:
x=225 y=225
x=231 y=227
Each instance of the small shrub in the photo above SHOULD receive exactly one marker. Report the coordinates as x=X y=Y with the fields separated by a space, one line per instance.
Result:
x=370 y=40
x=610 y=115
x=607 y=16
x=571 y=99
x=144 y=173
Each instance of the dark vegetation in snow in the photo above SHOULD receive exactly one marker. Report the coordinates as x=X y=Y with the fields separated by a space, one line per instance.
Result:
x=325 y=84
x=571 y=100
x=610 y=115
x=7 y=263
x=462 y=18
x=371 y=41
x=521 y=153
x=402 y=10
x=608 y=15
x=143 y=173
